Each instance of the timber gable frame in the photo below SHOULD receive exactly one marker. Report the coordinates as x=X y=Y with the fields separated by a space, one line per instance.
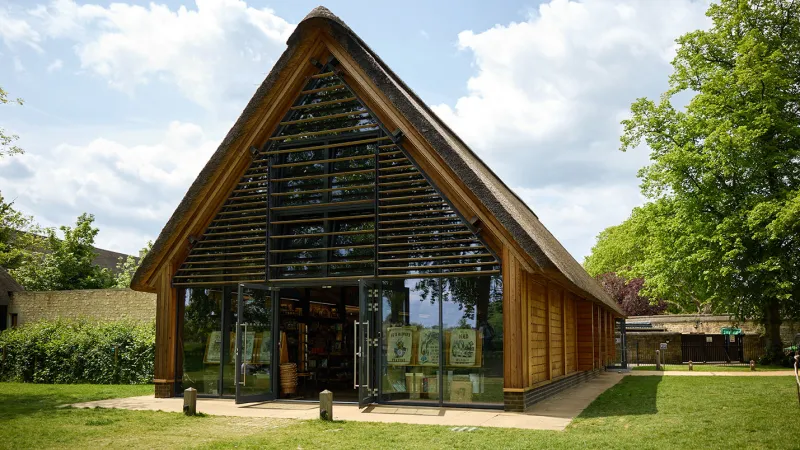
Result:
x=529 y=255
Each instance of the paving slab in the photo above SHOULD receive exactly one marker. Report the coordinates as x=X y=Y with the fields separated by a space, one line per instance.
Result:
x=554 y=413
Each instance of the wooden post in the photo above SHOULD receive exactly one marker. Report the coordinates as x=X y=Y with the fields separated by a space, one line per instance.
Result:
x=326 y=405
x=658 y=359
x=190 y=401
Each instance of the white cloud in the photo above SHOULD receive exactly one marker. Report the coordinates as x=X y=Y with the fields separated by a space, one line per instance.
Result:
x=544 y=103
x=576 y=214
x=55 y=66
x=14 y=30
x=220 y=49
x=131 y=188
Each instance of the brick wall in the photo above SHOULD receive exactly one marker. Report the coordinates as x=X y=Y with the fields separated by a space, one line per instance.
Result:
x=97 y=304
x=708 y=324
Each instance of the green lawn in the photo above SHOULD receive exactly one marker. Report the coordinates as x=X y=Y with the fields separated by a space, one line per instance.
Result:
x=711 y=368
x=639 y=413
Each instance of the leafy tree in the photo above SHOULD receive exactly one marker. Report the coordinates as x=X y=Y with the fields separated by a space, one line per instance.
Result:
x=126 y=267
x=66 y=263
x=725 y=171
x=634 y=249
x=17 y=235
x=7 y=140
x=628 y=295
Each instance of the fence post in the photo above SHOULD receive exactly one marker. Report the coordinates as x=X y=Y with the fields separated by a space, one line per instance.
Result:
x=658 y=359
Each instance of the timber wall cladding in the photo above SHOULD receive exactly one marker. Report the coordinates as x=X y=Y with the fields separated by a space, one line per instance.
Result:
x=555 y=294
x=537 y=338
x=570 y=321
x=585 y=335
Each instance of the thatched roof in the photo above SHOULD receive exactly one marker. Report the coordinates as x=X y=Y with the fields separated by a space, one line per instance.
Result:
x=543 y=248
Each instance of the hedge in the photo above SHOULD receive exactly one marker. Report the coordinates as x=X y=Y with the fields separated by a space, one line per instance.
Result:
x=63 y=351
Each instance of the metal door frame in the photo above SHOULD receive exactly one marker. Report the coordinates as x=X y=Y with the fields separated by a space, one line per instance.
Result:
x=272 y=395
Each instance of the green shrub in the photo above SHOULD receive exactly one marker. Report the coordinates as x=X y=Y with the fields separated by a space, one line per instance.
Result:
x=63 y=351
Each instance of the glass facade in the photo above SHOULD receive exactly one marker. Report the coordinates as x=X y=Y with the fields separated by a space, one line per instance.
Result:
x=202 y=340
x=442 y=340
x=410 y=350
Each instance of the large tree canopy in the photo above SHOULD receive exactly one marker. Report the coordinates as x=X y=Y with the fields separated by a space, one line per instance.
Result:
x=724 y=181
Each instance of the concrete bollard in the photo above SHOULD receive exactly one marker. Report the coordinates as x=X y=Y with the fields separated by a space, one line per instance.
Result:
x=691 y=366
x=752 y=365
x=326 y=405
x=190 y=401
x=658 y=359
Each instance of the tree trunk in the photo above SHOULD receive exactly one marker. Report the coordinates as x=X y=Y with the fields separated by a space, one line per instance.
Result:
x=772 y=329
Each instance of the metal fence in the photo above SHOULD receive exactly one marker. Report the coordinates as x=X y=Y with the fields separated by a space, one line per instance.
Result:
x=703 y=349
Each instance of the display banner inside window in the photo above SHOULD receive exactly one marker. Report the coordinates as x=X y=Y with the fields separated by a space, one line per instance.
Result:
x=443 y=340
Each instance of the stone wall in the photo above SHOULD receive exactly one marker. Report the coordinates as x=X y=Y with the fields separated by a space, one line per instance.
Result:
x=708 y=324
x=97 y=304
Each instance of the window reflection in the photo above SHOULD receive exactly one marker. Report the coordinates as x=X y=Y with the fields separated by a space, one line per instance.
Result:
x=463 y=344
x=411 y=337
x=472 y=317
x=202 y=340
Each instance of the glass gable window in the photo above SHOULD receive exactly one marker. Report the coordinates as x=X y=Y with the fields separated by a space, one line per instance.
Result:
x=442 y=340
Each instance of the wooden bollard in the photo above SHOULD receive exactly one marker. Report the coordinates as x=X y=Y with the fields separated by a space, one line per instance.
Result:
x=658 y=359
x=190 y=401
x=752 y=365
x=326 y=405
x=691 y=366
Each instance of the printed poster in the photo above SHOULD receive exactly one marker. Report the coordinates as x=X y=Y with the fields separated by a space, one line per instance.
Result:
x=399 y=342
x=214 y=348
x=428 y=351
x=249 y=344
x=265 y=348
x=463 y=347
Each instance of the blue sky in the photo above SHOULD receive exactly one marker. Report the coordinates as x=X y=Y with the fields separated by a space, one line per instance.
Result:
x=125 y=102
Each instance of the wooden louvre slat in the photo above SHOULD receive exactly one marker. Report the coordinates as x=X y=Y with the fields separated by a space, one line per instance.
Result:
x=432 y=250
x=332 y=233
x=412 y=231
x=323 y=147
x=325 y=117
x=327 y=103
x=439 y=266
x=323 y=132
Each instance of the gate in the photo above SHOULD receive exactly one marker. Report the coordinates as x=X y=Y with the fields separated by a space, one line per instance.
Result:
x=712 y=348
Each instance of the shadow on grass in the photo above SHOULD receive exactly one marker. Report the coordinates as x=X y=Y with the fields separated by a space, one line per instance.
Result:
x=15 y=405
x=630 y=397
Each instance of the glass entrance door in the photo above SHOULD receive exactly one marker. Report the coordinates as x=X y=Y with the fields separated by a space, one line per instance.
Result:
x=256 y=344
x=366 y=343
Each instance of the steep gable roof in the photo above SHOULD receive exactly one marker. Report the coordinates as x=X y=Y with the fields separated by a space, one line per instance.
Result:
x=517 y=218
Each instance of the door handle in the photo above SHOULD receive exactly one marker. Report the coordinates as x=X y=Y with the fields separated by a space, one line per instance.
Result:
x=366 y=355
x=356 y=354
x=243 y=367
